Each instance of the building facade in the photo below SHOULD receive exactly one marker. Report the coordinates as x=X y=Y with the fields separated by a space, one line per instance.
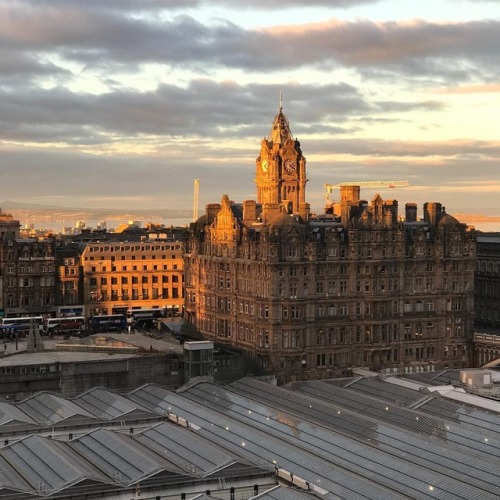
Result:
x=27 y=272
x=487 y=290
x=118 y=276
x=69 y=280
x=101 y=273
x=314 y=296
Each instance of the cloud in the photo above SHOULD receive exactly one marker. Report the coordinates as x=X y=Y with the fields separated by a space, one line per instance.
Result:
x=107 y=38
x=122 y=100
x=470 y=89
x=379 y=148
x=204 y=108
x=173 y=5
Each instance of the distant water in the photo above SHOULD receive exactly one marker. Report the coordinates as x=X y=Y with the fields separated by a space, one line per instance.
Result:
x=60 y=225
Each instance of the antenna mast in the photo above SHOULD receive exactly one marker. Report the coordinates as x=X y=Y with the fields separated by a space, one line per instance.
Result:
x=195 y=199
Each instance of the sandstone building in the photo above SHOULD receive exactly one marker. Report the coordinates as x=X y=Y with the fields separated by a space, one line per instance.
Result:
x=27 y=272
x=314 y=296
x=83 y=276
x=123 y=275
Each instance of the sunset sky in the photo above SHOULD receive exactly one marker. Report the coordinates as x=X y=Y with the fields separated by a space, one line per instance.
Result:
x=105 y=104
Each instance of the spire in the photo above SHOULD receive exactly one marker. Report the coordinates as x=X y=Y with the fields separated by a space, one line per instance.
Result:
x=280 y=130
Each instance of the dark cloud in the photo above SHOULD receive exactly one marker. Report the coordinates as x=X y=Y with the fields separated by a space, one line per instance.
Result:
x=19 y=69
x=204 y=108
x=173 y=5
x=419 y=48
x=107 y=39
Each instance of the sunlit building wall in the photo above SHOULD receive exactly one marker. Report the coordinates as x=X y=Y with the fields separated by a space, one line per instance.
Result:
x=314 y=296
x=123 y=275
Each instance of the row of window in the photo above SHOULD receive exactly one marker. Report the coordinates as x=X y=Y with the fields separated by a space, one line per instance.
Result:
x=133 y=248
x=136 y=294
x=134 y=280
x=30 y=282
x=492 y=267
x=22 y=370
x=145 y=267
x=427 y=353
x=11 y=269
x=296 y=312
x=131 y=257
x=29 y=300
x=295 y=289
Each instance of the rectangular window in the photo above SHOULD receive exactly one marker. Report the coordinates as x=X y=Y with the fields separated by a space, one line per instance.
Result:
x=321 y=360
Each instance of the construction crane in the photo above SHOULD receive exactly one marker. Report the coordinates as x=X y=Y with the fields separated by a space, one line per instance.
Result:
x=195 y=199
x=388 y=184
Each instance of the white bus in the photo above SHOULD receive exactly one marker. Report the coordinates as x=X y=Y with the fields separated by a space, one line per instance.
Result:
x=20 y=325
x=67 y=325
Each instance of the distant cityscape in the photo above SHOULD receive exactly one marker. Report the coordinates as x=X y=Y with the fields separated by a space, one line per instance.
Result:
x=56 y=219
x=30 y=213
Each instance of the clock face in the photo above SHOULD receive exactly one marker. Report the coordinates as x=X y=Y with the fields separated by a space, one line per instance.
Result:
x=264 y=165
x=289 y=166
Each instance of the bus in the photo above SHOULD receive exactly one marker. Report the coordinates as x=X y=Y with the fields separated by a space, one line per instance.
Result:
x=20 y=325
x=143 y=318
x=107 y=323
x=73 y=325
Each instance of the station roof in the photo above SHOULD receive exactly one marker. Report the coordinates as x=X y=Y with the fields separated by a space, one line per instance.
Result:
x=353 y=438
x=49 y=409
x=107 y=405
x=10 y=414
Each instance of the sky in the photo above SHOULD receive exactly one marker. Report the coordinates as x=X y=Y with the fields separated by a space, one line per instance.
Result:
x=124 y=103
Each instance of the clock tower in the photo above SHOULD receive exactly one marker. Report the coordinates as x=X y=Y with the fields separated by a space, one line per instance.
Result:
x=281 y=172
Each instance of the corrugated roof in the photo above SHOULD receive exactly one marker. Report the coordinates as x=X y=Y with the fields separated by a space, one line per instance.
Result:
x=47 y=408
x=359 y=440
x=10 y=414
x=116 y=455
x=153 y=397
x=45 y=465
x=284 y=493
x=182 y=447
x=106 y=405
